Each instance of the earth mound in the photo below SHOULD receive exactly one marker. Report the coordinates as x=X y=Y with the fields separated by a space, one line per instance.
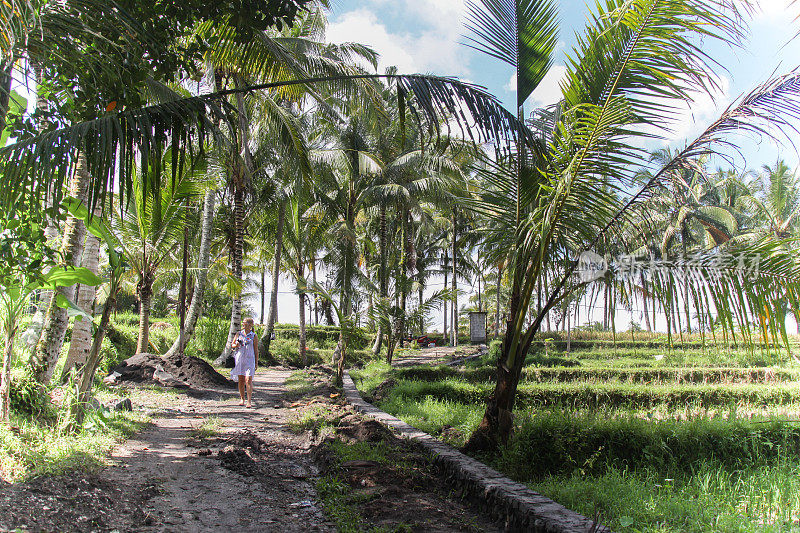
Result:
x=175 y=371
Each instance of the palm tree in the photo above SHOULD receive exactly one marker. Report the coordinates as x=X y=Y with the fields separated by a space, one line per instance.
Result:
x=152 y=230
x=777 y=200
x=568 y=189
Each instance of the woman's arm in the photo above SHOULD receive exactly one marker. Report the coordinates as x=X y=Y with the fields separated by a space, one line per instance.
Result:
x=255 y=349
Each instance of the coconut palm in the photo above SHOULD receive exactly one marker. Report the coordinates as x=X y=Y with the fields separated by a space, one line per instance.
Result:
x=153 y=228
x=570 y=189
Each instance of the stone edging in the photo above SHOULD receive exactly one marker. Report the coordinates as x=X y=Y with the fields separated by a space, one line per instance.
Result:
x=518 y=506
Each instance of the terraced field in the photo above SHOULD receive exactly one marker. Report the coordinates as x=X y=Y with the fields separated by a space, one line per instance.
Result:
x=648 y=439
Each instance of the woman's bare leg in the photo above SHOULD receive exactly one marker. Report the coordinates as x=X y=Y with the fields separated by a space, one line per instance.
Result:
x=249 y=391
x=241 y=389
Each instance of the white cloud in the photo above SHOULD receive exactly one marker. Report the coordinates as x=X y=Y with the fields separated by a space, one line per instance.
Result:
x=775 y=10
x=511 y=86
x=549 y=91
x=430 y=43
x=695 y=115
x=362 y=26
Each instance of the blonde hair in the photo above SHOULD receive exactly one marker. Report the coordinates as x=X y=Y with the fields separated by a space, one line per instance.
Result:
x=248 y=320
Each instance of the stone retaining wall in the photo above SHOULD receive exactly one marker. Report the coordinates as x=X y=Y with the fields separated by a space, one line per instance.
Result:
x=520 y=508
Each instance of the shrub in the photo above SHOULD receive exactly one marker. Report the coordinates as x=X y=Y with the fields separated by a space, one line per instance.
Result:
x=28 y=398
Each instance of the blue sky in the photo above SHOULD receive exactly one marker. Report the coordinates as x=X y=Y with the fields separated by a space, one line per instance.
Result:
x=427 y=36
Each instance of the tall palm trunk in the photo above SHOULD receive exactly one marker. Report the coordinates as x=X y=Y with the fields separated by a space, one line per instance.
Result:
x=644 y=301
x=497 y=302
x=56 y=320
x=445 y=331
x=81 y=339
x=236 y=268
x=376 y=347
x=276 y=272
x=454 y=322
x=314 y=279
x=145 y=293
x=400 y=333
x=263 y=291
x=340 y=354
x=302 y=317
x=242 y=171
x=201 y=279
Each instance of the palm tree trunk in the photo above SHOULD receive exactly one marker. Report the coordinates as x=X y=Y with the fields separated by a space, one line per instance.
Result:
x=454 y=322
x=403 y=281
x=276 y=273
x=5 y=377
x=314 y=279
x=445 y=331
x=77 y=409
x=302 y=322
x=497 y=302
x=236 y=268
x=201 y=279
x=56 y=320
x=420 y=295
x=81 y=340
x=644 y=302
x=263 y=291
x=145 y=300
x=376 y=347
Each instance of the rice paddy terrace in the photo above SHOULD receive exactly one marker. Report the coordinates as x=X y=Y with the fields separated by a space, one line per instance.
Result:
x=697 y=437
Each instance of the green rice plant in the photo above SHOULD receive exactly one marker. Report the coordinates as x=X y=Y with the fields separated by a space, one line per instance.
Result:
x=765 y=499
x=451 y=421
x=553 y=443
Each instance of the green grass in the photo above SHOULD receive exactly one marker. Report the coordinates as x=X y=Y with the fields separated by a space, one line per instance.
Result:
x=209 y=427
x=34 y=448
x=712 y=498
x=696 y=440
x=601 y=394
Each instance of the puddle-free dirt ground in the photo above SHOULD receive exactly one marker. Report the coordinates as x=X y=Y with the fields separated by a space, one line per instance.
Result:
x=258 y=476
x=253 y=474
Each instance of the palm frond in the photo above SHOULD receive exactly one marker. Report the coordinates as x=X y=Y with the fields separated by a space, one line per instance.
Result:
x=112 y=143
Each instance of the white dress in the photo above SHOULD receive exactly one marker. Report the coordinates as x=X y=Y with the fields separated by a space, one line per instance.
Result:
x=245 y=356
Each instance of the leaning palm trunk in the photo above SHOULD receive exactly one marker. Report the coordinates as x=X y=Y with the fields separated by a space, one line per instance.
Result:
x=81 y=339
x=200 y=280
x=78 y=407
x=56 y=319
x=276 y=272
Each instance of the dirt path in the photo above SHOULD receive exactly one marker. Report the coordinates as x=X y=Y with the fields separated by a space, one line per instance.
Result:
x=256 y=476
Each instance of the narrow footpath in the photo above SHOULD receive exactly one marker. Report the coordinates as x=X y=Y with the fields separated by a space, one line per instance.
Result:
x=255 y=476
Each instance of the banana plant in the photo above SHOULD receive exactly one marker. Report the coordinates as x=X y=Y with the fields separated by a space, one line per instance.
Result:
x=23 y=259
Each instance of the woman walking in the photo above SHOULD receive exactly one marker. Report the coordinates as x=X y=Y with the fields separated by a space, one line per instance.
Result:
x=246 y=356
